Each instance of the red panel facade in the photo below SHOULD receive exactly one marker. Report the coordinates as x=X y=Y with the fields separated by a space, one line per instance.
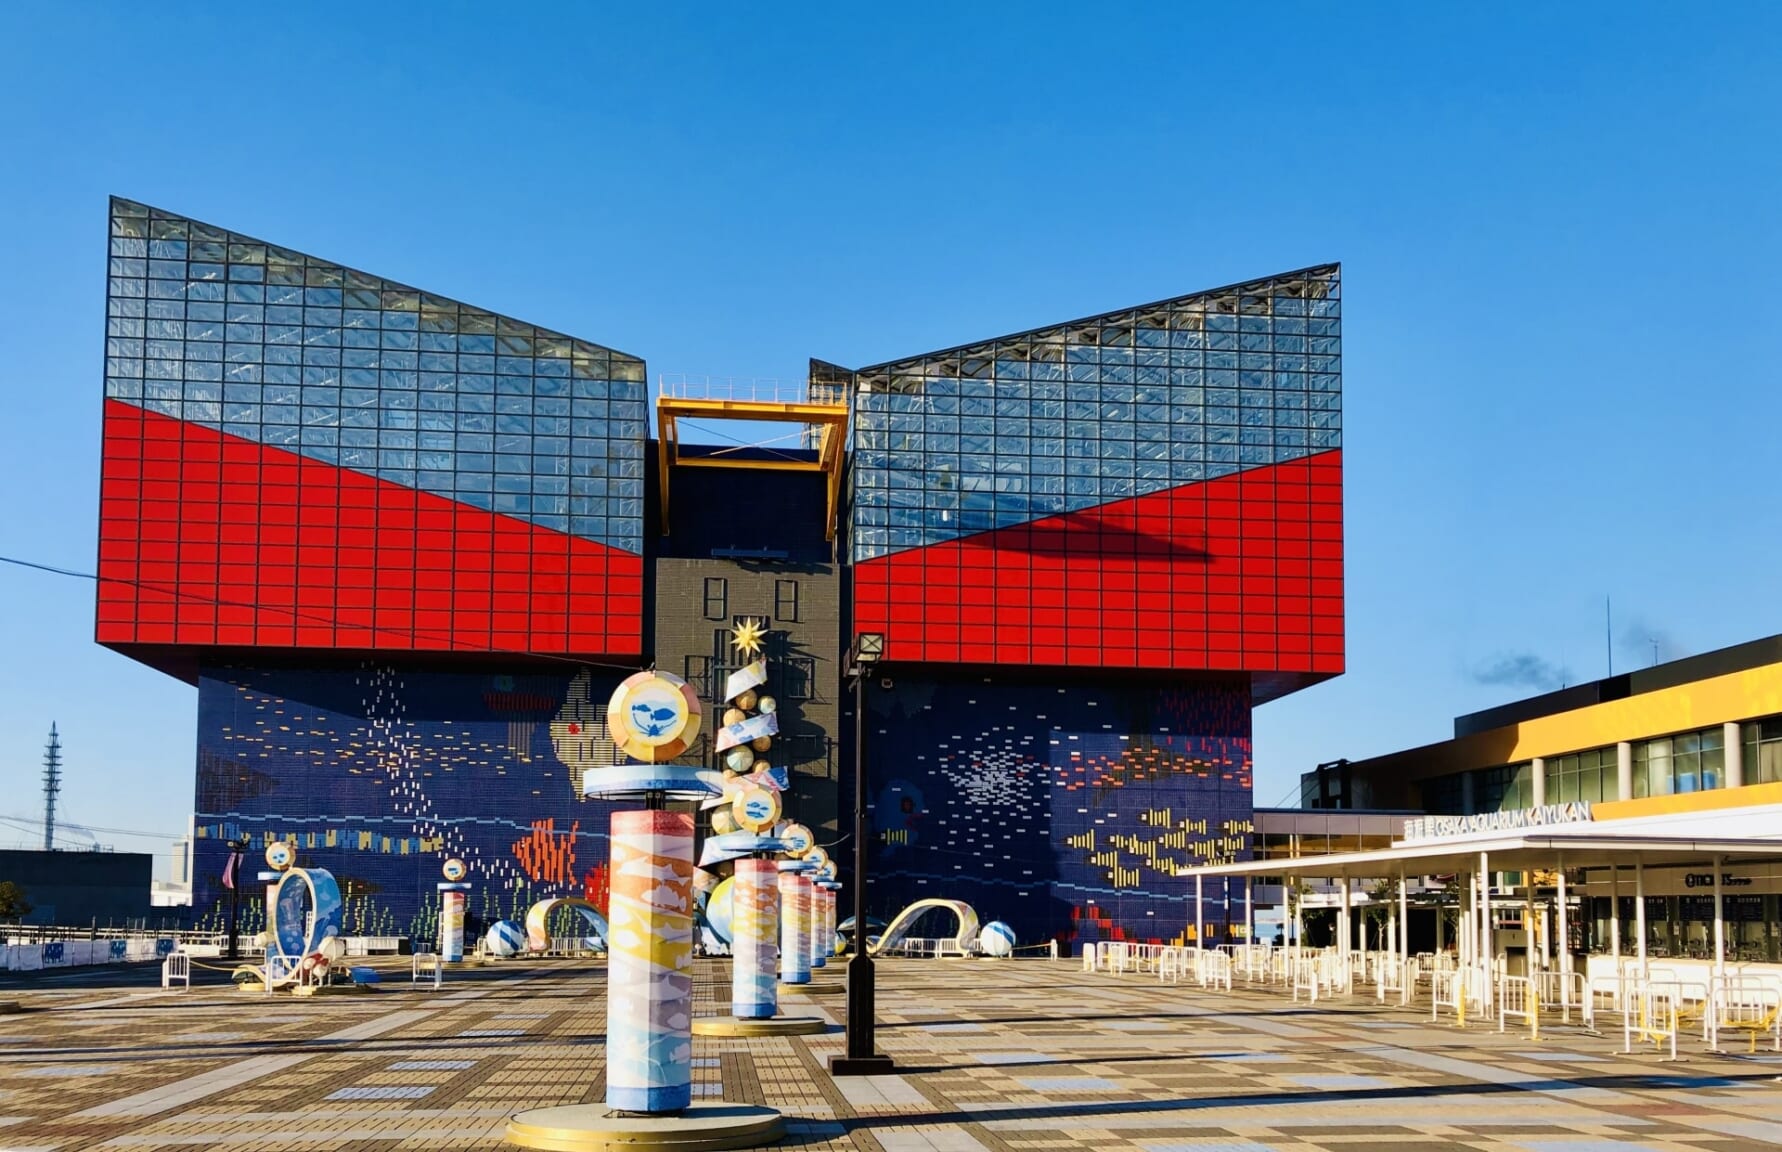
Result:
x=1243 y=573
x=207 y=538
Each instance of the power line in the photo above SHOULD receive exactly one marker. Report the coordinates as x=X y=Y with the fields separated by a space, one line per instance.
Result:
x=47 y=568
x=69 y=824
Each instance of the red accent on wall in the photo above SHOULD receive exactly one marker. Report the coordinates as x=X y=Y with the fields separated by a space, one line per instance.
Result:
x=206 y=538
x=1243 y=573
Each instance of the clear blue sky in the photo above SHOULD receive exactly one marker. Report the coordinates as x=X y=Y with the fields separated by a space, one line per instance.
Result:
x=1559 y=228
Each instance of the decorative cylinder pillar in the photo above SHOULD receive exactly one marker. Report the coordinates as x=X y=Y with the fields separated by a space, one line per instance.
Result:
x=451 y=922
x=816 y=930
x=795 y=928
x=649 y=974
x=829 y=919
x=754 y=923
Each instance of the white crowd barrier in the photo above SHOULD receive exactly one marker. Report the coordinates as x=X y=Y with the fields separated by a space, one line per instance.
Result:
x=1214 y=970
x=1305 y=979
x=1749 y=1004
x=177 y=968
x=426 y=969
x=1657 y=1017
x=80 y=953
x=1519 y=997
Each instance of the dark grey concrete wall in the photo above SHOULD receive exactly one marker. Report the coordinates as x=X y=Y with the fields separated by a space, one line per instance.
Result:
x=697 y=603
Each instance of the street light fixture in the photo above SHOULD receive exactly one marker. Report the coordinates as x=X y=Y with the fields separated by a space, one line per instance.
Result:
x=861 y=1060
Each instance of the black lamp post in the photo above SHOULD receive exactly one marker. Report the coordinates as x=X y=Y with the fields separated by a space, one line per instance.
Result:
x=237 y=851
x=860 y=1060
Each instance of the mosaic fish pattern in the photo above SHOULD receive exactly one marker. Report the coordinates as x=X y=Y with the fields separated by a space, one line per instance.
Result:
x=795 y=928
x=649 y=1044
x=755 y=918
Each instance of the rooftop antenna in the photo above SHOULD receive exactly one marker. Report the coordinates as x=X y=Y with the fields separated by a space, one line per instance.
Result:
x=52 y=784
x=1609 y=632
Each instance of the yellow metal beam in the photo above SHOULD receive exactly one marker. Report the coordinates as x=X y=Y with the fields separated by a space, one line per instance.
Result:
x=667 y=447
x=831 y=418
x=829 y=454
x=755 y=410
x=757 y=465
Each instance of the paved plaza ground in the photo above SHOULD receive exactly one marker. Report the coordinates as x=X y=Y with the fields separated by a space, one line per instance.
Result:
x=1014 y=1055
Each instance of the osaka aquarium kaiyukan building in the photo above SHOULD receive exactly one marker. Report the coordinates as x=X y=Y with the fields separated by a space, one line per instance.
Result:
x=406 y=548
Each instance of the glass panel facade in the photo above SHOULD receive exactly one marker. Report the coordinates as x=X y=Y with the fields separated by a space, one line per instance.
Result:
x=1587 y=776
x=1070 y=417
x=1504 y=789
x=1686 y=762
x=260 y=342
x=1763 y=751
x=301 y=455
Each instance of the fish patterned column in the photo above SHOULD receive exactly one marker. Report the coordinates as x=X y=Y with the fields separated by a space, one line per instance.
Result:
x=451 y=924
x=755 y=922
x=816 y=930
x=649 y=1045
x=795 y=928
x=828 y=920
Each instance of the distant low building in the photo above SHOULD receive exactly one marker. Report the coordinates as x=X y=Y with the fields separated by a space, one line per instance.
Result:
x=83 y=888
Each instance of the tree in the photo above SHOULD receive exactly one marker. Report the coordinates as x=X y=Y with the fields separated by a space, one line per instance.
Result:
x=1381 y=897
x=13 y=905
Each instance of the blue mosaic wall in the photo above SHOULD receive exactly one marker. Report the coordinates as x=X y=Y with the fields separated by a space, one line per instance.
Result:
x=379 y=775
x=1063 y=811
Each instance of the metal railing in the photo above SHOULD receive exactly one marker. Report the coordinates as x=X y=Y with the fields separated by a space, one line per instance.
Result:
x=754 y=389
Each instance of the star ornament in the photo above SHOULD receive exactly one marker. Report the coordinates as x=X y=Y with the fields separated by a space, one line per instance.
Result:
x=747 y=637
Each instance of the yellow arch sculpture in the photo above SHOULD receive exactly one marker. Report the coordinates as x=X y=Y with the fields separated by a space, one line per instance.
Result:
x=900 y=925
x=538 y=920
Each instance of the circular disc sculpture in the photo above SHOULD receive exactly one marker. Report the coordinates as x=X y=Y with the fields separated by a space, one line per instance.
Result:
x=653 y=717
x=306 y=912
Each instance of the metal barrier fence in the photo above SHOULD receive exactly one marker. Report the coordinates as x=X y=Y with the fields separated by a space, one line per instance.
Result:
x=1518 y=997
x=1748 y=1004
x=1657 y=1018
x=176 y=968
x=427 y=970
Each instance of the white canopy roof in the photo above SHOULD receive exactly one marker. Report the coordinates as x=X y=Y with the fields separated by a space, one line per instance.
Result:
x=1584 y=847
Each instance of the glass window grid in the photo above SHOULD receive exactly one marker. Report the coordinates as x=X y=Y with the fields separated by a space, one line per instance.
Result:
x=1060 y=420
x=1763 y=750
x=1683 y=762
x=277 y=347
x=1589 y=776
x=1505 y=788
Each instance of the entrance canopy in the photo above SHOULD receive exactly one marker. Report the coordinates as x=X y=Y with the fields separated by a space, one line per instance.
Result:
x=1507 y=853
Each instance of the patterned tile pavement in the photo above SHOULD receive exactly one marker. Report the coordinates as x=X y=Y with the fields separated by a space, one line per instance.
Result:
x=1015 y=1056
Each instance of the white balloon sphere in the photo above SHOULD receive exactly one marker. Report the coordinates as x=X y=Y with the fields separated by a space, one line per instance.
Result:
x=997 y=939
